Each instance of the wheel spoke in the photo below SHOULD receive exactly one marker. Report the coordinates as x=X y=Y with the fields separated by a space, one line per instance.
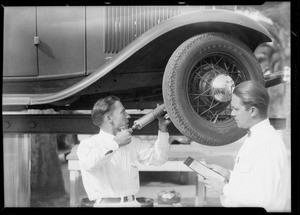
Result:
x=211 y=66
x=202 y=78
x=199 y=105
x=226 y=68
x=219 y=61
x=197 y=96
x=202 y=94
x=216 y=118
x=238 y=78
x=228 y=108
x=210 y=107
x=197 y=70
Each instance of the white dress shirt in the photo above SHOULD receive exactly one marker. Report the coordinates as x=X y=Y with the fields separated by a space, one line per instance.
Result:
x=116 y=174
x=259 y=177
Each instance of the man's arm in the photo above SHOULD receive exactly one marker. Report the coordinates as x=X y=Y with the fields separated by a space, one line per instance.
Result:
x=214 y=185
x=156 y=154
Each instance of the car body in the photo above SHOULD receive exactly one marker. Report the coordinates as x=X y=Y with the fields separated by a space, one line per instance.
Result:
x=67 y=57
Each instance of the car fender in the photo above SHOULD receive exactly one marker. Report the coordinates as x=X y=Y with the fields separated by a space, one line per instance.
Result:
x=206 y=16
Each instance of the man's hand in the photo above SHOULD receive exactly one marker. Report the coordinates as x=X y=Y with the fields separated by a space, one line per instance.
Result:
x=214 y=186
x=163 y=123
x=219 y=169
x=123 y=137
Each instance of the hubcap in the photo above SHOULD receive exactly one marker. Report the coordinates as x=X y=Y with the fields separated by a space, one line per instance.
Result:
x=221 y=88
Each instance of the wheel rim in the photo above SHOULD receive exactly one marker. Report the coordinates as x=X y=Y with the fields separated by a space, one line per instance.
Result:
x=210 y=85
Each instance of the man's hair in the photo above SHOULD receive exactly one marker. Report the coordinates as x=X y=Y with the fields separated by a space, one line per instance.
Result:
x=101 y=107
x=252 y=93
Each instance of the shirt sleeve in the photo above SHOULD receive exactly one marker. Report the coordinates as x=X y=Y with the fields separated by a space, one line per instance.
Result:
x=156 y=154
x=94 y=157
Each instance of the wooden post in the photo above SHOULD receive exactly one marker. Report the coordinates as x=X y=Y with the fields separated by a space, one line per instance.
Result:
x=74 y=188
x=17 y=170
x=200 y=200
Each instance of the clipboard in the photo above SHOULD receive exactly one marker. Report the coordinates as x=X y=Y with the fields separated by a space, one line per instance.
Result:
x=201 y=169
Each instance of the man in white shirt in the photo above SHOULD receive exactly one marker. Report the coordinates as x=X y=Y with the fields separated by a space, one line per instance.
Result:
x=109 y=160
x=259 y=177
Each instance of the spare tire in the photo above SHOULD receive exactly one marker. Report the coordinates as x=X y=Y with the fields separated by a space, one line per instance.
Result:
x=198 y=82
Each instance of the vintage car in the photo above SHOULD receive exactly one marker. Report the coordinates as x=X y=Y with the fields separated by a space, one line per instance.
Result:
x=187 y=57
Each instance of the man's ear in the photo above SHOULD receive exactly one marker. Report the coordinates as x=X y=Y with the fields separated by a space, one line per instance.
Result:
x=253 y=111
x=108 y=118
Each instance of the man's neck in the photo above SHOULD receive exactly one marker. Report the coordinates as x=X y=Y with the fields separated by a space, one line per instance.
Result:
x=108 y=129
x=256 y=121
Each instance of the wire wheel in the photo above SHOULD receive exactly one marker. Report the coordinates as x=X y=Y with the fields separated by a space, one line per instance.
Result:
x=198 y=83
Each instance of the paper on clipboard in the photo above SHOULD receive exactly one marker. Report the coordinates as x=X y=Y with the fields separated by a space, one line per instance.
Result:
x=202 y=169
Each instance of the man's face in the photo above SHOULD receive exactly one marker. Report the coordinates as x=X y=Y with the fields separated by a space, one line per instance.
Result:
x=120 y=118
x=239 y=112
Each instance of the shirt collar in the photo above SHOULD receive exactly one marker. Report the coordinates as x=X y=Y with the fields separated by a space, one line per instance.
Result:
x=260 y=126
x=106 y=135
